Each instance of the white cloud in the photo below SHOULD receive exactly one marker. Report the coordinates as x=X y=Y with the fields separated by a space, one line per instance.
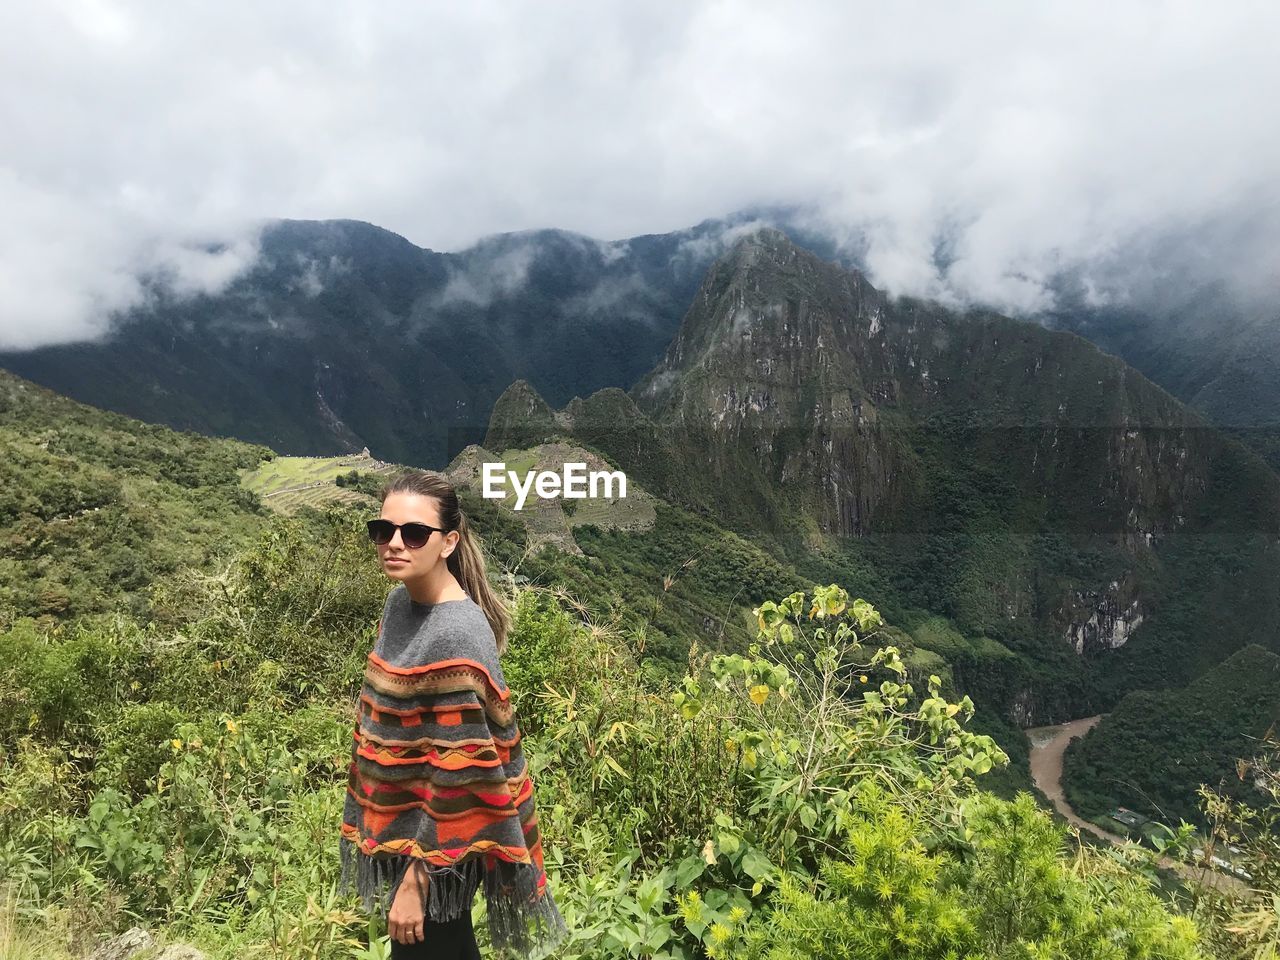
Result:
x=699 y=247
x=490 y=278
x=1021 y=138
x=66 y=267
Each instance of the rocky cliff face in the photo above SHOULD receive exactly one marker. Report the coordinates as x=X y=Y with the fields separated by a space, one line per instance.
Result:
x=769 y=371
x=1098 y=621
x=828 y=386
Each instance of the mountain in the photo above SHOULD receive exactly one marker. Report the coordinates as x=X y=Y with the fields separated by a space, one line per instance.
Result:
x=101 y=514
x=213 y=720
x=1045 y=528
x=779 y=341
x=1075 y=523
x=343 y=335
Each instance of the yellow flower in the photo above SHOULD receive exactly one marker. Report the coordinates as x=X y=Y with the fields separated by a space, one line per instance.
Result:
x=177 y=744
x=862 y=678
x=730 y=745
x=759 y=693
x=231 y=726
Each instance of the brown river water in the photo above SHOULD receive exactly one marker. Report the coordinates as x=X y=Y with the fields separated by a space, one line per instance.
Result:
x=1048 y=744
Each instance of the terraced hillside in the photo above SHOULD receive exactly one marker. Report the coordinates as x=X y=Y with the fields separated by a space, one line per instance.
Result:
x=287 y=483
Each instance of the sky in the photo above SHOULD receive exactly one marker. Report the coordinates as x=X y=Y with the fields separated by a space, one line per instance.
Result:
x=1127 y=142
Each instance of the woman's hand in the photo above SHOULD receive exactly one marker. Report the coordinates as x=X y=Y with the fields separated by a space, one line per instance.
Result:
x=405 y=918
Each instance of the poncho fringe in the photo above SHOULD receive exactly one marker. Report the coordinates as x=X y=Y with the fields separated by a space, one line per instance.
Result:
x=517 y=917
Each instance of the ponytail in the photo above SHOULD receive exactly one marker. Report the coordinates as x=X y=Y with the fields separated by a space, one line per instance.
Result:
x=468 y=565
x=466 y=562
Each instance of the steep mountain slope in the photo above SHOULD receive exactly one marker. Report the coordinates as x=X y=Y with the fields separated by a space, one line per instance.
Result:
x=779 y=341
x=1017 y=480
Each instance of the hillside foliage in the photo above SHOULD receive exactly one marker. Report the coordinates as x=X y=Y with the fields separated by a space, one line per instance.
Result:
x=801 y=796
x=1188 y=736
x=732 y=758
x=95 y=506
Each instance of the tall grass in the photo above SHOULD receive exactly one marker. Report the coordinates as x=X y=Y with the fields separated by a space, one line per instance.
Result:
x=20 y=940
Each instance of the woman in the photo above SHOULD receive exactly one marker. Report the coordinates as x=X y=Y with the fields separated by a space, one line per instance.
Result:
x=439 y=800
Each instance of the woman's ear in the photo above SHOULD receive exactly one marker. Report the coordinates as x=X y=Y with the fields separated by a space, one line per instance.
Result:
x=450 y=547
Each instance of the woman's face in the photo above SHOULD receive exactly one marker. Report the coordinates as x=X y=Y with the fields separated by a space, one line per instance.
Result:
x=398 y=561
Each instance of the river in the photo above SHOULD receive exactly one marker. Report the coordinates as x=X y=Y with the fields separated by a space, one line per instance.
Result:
x=1048 y=744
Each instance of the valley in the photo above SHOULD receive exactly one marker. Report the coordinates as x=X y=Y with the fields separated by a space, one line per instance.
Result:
x=1044 y=532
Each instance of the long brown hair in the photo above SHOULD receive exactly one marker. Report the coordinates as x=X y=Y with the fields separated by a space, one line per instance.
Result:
x=466 y=562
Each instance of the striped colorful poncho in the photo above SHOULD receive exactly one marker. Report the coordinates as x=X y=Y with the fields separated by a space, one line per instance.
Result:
x=438 y=775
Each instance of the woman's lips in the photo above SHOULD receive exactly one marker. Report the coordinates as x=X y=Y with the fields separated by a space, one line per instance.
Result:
x=395 y=560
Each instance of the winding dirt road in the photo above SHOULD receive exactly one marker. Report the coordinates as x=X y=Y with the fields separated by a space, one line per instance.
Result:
x=1048 y=744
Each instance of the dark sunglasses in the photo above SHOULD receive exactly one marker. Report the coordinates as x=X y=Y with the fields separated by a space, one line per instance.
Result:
x=413 y=535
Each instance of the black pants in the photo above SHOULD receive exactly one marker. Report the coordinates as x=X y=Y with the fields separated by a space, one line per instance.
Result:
x=451 y=940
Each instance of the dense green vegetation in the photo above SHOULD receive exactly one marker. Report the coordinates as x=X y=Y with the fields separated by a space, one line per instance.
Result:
x=94 y=506
x=1248 y=833
x=950 y=591
x=370 y=484
x=79 y=566
x=797 y=797
x=686 y=578
x=1158 y=746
